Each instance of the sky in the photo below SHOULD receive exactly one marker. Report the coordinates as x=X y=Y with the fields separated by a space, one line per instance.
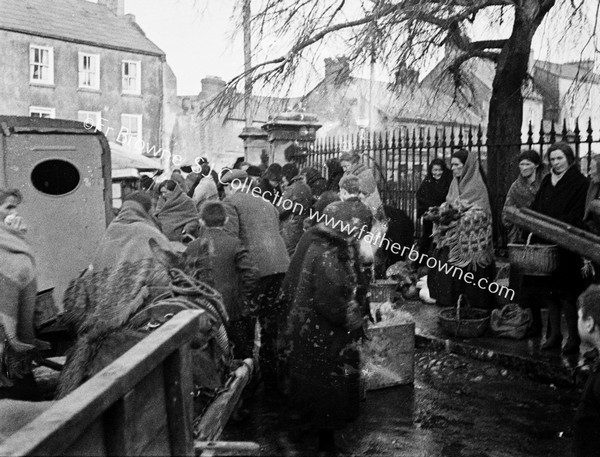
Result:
x=195 y=35
x=199 y=40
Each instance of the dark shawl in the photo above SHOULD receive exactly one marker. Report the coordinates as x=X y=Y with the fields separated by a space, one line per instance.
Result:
x=320 y=331
x=432 y=192
x=177 y=211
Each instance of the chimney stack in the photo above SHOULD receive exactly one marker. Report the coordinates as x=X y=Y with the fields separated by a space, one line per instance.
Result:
x=211 y=86
x=116 y=6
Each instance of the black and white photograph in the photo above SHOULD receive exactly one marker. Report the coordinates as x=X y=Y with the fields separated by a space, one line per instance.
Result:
x=300 y=228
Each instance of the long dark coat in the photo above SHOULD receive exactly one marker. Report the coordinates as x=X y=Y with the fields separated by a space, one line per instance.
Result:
x=298 y=196
x=565 y=202
x=322 y=342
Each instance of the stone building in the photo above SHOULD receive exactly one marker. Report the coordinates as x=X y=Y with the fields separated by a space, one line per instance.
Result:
x=76 y=59
x=217 y=137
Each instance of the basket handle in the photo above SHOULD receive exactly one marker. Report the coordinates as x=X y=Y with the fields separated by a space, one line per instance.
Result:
x=529 y=238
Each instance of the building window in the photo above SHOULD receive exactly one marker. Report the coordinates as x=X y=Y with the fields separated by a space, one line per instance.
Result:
x=41 y=64
x=89 y=71
x=90 y=118
x=131 y=130
x=41 y=111
x=132 y=77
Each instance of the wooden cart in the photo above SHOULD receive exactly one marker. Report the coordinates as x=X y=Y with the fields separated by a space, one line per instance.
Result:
x=141 y=404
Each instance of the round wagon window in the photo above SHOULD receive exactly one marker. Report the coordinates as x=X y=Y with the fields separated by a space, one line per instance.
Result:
x=55 y=177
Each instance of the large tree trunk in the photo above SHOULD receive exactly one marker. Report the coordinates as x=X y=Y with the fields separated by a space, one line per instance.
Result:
x=506 y=106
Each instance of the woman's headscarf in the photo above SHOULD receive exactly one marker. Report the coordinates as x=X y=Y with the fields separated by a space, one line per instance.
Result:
x=470 y=187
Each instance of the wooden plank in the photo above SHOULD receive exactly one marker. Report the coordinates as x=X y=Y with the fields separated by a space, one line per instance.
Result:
x=216 y=416
x=179 y=386
x=135 y=421
x=115 y=438
x=564 y=235
x=54 y=430
x=90 y=442
x=230 y=448
x=147 y=415
x=157 y=446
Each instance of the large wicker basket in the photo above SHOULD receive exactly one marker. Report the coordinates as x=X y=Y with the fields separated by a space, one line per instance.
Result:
x=471 y=323
x=533 y=259
x=464 y=321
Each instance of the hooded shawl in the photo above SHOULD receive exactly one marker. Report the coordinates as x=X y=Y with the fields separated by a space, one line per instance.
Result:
x=521 y=195
x=470 y=187
x=177 y=211
x=469 y=239
x=121 y=280
x=432 y=192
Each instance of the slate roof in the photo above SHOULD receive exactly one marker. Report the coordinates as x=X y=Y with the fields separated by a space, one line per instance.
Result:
x=568 y=70
x=75 y=20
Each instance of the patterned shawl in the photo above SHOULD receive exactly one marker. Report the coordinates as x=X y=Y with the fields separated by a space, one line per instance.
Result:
x=470 y=187
x=469 y=239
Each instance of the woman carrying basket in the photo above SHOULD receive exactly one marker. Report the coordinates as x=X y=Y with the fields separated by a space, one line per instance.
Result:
x=521 y=195
x=562 y=196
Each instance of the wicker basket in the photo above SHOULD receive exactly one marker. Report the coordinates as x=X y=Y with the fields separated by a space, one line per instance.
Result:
x=533 y=259
x=464 y=322
x=473 y=322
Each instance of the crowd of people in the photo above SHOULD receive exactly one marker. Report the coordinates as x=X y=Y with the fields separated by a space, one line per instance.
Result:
x=302 y=282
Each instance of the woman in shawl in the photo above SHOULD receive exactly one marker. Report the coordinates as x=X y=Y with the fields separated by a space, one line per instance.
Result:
x=328 y=304
x=562 y=196
x=521 y=195
x=432 y=192
x=124 y=277
x=463 y=236
x=176 y=212
x=523 y=191
x=18 y=289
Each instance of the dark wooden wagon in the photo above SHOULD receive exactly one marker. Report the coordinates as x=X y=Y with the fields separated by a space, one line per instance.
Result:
x=141 y=404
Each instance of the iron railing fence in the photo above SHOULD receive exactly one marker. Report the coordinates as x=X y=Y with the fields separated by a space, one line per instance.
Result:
x=399 y=159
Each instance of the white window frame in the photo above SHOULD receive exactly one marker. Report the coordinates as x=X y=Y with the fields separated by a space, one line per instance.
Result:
x=90 y=118
x=43 y=111
x=127 y=139
x=93 y=76
x=126 y=80
x=49 y=79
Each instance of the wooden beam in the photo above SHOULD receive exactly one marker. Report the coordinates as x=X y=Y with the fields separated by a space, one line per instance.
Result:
x=216 y=416
x=230 y=448
x=567 y=236
x=179 y=386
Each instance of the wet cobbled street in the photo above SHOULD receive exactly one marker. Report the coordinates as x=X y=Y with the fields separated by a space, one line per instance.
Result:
x=458 y=407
